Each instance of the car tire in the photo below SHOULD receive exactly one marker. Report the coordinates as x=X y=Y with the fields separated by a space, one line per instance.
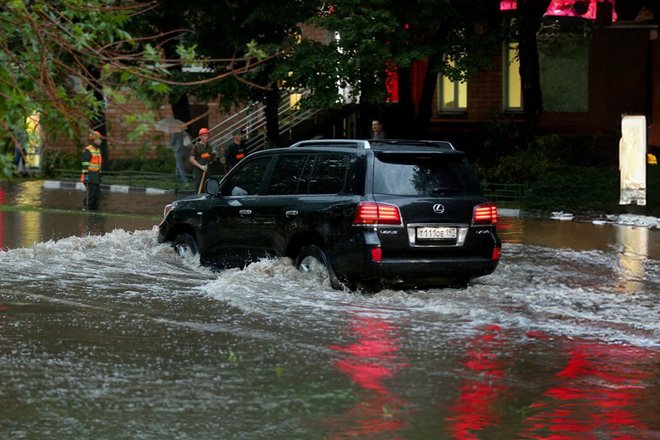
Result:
x=312 y=253
x=186 y=245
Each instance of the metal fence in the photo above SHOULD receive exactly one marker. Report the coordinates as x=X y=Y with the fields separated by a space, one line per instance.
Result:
x=509 y=195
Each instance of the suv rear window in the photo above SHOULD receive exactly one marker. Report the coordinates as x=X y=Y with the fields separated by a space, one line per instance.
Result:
x=423 y=175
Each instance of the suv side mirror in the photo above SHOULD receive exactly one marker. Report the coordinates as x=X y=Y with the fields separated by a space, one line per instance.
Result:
x=212 y=187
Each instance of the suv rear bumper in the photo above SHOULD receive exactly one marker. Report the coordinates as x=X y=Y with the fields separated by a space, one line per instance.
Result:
x=416 y=270
x=471 y=267
x=453 y=267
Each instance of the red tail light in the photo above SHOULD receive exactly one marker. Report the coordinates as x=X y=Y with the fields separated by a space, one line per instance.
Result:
x=372 y=213
x=377 y=254
x=497 y=253
x=485 y=213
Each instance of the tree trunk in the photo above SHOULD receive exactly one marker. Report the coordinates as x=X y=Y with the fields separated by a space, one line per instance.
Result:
x=425 y=110
x=406 y=107
x=530 y=13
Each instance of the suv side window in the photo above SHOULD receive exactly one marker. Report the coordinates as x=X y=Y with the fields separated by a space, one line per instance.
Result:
x=288 y=175
x=334 y=173
x=247 y=180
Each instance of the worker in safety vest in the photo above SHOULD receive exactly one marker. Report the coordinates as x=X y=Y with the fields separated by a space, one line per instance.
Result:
x=203 y=159
x=91 y=170
x=236 y=150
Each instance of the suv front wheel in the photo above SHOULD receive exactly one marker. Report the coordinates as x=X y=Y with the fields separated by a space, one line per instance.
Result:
x=186 y=245
x=312 y=257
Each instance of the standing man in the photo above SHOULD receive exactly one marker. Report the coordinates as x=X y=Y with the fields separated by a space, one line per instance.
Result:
x=177 y=144
x=236 y=150
x=377 y=130
x=91 y=171
x=201 y=158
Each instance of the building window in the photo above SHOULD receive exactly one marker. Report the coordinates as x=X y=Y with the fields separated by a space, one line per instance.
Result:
x=512 y=82
x=452 y=95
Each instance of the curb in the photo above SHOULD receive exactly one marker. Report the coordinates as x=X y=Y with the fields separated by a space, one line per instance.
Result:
x=79 y=186
x=509 y=212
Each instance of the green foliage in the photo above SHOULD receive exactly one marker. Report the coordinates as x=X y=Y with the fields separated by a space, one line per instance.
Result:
x=377 y=35
x=146 y=159
x=528 y=163
x=6 y=166
x=57 y=56
x=58 y=160
x=575 y=189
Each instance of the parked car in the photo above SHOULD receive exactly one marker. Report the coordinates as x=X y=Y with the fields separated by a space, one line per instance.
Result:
x=373 y=213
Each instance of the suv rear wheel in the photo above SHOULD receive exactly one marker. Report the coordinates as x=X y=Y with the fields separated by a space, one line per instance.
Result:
x=312 y=257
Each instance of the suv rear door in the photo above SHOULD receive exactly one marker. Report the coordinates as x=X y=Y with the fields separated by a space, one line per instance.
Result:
x=436 y=193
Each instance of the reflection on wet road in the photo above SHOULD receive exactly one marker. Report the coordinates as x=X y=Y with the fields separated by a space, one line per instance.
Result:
x=30 y=213
x=111 y=336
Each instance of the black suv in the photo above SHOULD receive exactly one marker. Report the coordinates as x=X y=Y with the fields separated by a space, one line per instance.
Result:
x=373 y=213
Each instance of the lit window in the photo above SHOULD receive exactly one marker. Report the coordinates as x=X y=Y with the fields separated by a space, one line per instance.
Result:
x=512 y=81
x=452 y=95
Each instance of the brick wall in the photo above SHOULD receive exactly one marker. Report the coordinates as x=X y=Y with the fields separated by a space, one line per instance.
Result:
x=121 y=145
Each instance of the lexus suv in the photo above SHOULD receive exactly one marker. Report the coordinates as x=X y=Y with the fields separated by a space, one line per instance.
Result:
x=386 y=213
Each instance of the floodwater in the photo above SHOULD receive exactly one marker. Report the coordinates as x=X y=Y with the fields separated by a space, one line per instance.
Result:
x=106 y=334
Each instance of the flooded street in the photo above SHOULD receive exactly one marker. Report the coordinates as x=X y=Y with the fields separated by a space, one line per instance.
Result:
x=106 y=334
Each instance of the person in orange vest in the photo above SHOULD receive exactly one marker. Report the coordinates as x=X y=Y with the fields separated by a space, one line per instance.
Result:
x=203 y=159
x=236 y=150
x=91 y=171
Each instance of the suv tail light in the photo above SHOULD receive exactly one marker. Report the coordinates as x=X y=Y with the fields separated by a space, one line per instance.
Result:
x=372 y=213
x=485 y=214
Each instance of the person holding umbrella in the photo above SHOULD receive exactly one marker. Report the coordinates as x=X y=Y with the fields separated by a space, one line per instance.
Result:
x=201 y=158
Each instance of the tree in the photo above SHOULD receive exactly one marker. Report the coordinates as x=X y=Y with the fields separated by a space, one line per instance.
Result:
x=58 y=57
x=229 y=37
x=454 y=37
x=64 y=59
x=527 y=24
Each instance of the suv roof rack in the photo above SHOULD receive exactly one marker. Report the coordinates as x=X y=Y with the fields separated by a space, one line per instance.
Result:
x=346 y=143
x=414 y=143
x=363 y=144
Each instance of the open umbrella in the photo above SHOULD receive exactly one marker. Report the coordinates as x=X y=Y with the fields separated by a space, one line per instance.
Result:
x=170 y=125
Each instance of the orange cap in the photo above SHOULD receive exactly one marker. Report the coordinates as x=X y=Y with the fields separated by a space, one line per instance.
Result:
x=203 y=131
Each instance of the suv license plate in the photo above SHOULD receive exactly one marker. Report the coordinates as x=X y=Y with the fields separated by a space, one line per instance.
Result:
x=436 y=233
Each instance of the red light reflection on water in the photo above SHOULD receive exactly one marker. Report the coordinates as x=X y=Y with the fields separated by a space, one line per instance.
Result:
x=477 y=404
x=369 y=361
x=510 y=229
x=595 y=395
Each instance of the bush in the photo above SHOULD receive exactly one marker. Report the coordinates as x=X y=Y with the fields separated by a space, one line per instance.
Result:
x=58 y=160
x=575 y=189
x=147 y=159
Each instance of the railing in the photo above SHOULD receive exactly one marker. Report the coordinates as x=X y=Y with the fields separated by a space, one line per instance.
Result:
x=253 y=118
x=505 y=194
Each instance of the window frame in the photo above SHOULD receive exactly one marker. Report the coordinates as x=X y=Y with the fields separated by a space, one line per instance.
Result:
x=460 y=93
x=510 y=63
